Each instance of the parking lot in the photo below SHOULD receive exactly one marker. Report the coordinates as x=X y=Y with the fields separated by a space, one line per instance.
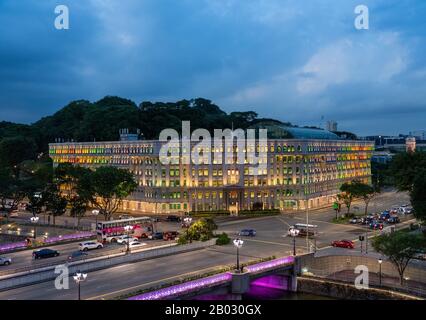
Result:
x=272 y=232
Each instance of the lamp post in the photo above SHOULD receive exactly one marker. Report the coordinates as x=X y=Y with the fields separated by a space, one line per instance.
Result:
x=187 y=222
x=34 y=221
x=294 y=233
x=78 y=278
x=238 y=243
x=127 y=229
x=95 y=213
x=380 y=270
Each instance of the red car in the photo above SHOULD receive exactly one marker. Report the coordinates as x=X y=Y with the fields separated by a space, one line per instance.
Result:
x=343 y=244
x=170 y=235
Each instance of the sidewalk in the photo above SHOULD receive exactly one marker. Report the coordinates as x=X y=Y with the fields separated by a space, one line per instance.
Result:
x=386 y=281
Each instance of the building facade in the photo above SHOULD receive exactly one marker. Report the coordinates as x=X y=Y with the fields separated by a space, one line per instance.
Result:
x=299 y=172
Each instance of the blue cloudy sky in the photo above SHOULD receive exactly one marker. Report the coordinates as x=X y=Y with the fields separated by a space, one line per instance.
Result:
x=289 y=59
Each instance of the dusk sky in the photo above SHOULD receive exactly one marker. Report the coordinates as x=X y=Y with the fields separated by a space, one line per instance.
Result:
x=293 y=60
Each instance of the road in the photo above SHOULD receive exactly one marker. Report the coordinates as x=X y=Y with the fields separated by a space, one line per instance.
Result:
x=23 y=259
x=270 y=240
x=114 y=281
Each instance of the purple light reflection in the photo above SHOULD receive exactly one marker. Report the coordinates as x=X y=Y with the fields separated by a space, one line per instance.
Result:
x=272 y=281
x=270 y=264
x=12 y=246
x=200 y=283
x=184 y=287
x=73 y=236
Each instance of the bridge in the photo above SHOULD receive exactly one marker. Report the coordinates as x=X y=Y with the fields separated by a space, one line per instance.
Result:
x=278 y=274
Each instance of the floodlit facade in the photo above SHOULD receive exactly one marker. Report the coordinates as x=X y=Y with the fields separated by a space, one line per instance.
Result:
x=307 y=169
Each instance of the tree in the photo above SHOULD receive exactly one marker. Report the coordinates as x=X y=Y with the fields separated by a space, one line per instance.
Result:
x=11 y=191
x=79 y=207
x=356 y=190
x=56 y=204
x=14 y=150
x=106 y=188
x=201 y=230
x=347 y=199
x=405 y=167
x=418 y=196
x=365 y=192
x=400 y=248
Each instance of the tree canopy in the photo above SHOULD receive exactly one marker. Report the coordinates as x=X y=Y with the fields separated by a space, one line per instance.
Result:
x=106 y=188
x=400 y=248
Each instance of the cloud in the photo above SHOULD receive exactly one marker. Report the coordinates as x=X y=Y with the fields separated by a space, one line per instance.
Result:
x=374 y=58
x=287 y=59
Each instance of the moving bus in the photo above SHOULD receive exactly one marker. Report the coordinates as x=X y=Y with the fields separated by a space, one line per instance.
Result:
x=304 y=229
x=108 y=231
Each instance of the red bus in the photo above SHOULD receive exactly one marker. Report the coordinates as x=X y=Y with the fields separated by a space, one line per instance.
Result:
x=109 y=231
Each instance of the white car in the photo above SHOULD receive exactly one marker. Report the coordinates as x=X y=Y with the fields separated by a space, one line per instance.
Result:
x=5 y=261
x=125 y=239
x=405 y=210
x=90 y=245
x=136 y=244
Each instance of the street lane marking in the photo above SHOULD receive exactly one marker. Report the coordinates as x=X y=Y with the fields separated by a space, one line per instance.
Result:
x=268 y=242
x=285 y=222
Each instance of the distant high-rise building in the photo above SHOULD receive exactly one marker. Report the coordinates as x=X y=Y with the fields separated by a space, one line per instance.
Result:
x=419 y=134
x=410 y=144
x=331 y=125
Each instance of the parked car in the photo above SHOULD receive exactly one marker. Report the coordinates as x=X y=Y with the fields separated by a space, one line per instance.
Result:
x=405 y=210
x=5 y=261
x=343 y=244
x=77 y=255
x=384 y=216
x=156 y=236
x=355 y=220
x=173 y=219
x=125 y=239
x=247 y=233
x=90 y=245
x=170 y=235
x=136 y=244
x=376 y=225
x=45 y=253
x=393 y=220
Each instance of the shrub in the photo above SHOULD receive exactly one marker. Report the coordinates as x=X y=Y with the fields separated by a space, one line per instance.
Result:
x=182 y=240
x=204 y=237
x=223 y=239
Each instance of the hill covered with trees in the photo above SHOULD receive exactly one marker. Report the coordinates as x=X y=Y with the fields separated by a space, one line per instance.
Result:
x=83 y=120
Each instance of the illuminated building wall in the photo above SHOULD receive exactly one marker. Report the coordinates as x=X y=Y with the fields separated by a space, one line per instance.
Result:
x=299 y=171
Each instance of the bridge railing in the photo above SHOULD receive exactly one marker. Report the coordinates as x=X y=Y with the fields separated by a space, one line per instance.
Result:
x=193 y=285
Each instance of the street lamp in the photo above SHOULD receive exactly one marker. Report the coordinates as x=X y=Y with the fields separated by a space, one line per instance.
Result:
x=294 y=233
x=380 y=270
x=238 y=243
x=187 y=222
x=95 y=213
x=78 y=278
x=127 y=229
x=34 y=220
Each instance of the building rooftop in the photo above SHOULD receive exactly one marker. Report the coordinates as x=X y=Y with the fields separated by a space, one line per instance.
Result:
x=278 y=131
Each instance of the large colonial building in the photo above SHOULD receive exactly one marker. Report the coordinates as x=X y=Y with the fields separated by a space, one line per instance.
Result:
x=307 y=167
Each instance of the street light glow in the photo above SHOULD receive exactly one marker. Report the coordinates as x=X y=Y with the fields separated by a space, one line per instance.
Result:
x=238 y=243
x=34 y=219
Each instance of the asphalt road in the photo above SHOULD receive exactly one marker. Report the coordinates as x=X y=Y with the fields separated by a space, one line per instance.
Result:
x=23 y=259
x=270 y=240
x=114 y=281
